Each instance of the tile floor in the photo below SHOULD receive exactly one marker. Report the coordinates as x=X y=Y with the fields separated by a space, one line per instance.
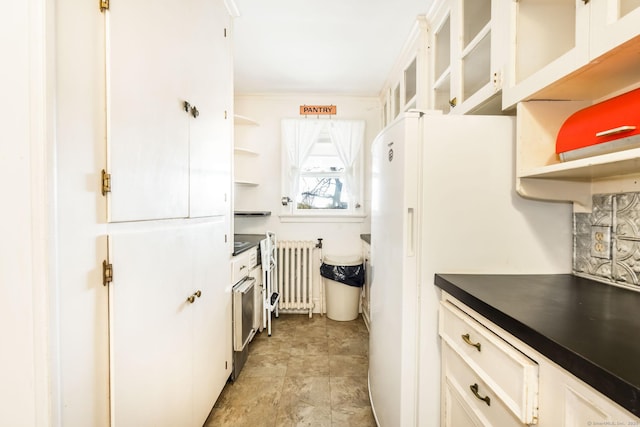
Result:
x=310 y=372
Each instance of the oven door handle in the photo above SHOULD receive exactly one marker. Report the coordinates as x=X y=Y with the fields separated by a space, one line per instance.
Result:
x=244 y=285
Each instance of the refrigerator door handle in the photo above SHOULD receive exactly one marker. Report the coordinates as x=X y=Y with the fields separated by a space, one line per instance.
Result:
x=410 y=232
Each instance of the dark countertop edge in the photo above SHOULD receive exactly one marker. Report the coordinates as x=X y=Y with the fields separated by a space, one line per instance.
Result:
x=617 y=389
x=366 y=238
x=254 y=239
x=252 y=213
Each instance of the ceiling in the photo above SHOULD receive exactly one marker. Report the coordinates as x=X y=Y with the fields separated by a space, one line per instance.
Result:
x=330 y=46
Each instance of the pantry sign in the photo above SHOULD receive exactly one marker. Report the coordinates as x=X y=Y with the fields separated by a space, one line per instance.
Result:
x=318 y=110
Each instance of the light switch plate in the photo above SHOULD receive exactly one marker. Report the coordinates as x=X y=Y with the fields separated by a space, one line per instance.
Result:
x=601 y=241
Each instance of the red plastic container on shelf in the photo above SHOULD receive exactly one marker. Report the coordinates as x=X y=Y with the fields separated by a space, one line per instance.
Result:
x=606 y=127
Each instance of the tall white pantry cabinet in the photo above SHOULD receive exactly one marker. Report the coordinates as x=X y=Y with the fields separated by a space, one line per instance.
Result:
x=144 y=113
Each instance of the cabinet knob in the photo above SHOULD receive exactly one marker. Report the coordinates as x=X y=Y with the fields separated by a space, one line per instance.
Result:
x=194 y=112
x=186 y=106
x=453 y=102
x=196 y=294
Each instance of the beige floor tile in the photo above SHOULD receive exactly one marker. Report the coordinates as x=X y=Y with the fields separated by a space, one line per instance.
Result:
x=304 y=415
x=355 y=329
x=266 y=365
x=348 y=366
x=243 y=416
x=316 y=330
x=349 y=392
x=353 y=417
x=309 y=372
x=308 y=365
x=349 y=346
x=312 y=391
x=301 y=345
x=251 y=391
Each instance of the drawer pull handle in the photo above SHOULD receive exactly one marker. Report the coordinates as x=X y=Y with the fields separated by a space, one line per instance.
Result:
x=613 y=131
x=467 y=339
x=474 y=389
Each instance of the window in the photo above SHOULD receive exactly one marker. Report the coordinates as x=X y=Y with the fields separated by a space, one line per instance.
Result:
x=322 y=166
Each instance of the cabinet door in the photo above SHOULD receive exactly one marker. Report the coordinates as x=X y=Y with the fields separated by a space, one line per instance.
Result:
x=612 y=24
x=150 y=327
x=147 y=126
x=212 y=349
x=211 y=93
x=441 y=93
x=549 y=40
x=470 y=48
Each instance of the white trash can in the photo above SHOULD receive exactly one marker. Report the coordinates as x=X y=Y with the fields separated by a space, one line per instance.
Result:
x=343 y=301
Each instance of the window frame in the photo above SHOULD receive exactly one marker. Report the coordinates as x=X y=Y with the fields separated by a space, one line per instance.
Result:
x=354 y=212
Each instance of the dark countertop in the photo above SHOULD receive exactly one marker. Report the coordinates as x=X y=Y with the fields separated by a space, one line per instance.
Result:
x=252 y=213
x=366 y=238
x=252 y=240
x=589 y=328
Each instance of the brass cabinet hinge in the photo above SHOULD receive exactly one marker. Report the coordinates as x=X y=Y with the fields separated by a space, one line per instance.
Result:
x=104 y=5
x=107 y=273
x=106 y=182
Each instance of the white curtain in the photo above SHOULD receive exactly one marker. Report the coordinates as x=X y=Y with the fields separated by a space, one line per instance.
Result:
x=348 y=137
x=298 y=136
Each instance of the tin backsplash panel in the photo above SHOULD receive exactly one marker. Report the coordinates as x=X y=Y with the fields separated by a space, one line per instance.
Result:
x=621 y=214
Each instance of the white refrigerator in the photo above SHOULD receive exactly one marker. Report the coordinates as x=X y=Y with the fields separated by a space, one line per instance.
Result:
x=443 y=201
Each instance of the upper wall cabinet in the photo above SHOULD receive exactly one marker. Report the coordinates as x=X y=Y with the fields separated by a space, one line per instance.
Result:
x=613 y=23
x=571 y=49
x=169 y=86
x=468 y=54
x=405 y=89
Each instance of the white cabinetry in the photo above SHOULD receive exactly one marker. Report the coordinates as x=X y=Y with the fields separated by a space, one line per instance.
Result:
x=169 y=300
x=612 y=24
x=406 y=88
x=168 y=136
x=499 y=382
x=469 y=52
x=169 y=90
x=557 y=47
x=541 y=175
x=489 y=378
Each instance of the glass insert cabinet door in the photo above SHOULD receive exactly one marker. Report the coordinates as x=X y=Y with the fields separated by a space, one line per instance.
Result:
x=613 y=23
x=441 y=91
x=475 y=52
x=411 y=84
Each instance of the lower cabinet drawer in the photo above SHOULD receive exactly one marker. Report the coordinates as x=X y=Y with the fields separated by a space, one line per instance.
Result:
x=468 y=400
x=512 y=376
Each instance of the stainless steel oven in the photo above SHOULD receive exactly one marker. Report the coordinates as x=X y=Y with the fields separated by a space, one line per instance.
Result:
x=243 y=329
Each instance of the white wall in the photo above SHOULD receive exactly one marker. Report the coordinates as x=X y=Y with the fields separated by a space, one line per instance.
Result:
x=339 y=237
x=26 y=217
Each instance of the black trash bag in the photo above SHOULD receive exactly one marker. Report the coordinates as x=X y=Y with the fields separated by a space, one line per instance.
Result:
x=352 y=275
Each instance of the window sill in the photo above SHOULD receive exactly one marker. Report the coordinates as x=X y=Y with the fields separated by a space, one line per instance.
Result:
x=320 y=218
